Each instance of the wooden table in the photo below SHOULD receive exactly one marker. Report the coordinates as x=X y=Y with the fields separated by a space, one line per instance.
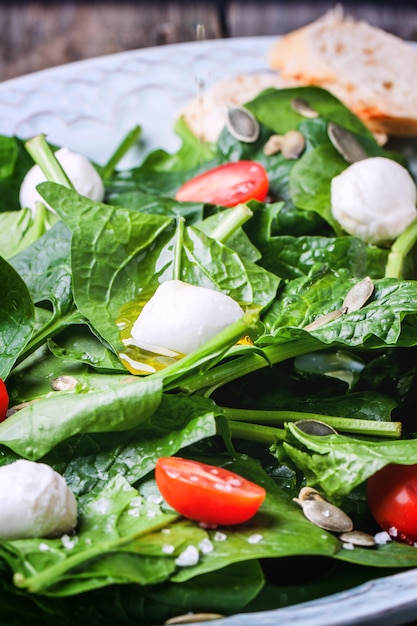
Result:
x=35 y=35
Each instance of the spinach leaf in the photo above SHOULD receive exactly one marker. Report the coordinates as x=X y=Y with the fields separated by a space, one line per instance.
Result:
x=14 y=163
x=378 y=323
x=16 y=317
x=45 y=268
x=119 y=254
x=105 y=403
x=339 y=463
x=18 y=229
x=90 y=459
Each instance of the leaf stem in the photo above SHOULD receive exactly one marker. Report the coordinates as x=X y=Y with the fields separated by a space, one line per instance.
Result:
x=256 y=432
x=399 y=250
x=43 y=155
x=192 y=366
x=340 y=424
x=126 y=144
x=251 y=362
x=233 y=220
x=179 y=236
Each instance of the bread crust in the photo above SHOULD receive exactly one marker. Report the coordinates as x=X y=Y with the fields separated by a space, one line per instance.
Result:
x=372 y=72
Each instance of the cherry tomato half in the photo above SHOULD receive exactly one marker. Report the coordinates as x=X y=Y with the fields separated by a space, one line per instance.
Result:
x=227 y=185
x=206 y=493
x=4 y=400
x=392 y=499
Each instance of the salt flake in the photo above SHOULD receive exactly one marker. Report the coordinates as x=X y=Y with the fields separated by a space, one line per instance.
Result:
x=190 y=556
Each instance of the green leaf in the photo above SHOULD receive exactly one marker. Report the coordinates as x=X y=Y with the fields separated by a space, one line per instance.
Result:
x=88 y=460
x=107 y=403
x=45 y=268
x=8 y=156
x=338 y=463
x=78 y=343
x=310 y=181
x=16 y=317
x=207 y=263
x=378 y=323
x=14 y=163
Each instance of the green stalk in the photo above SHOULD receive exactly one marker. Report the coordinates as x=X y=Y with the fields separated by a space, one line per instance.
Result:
x=126 y=144
x=193 y=365
x=340 y=424
x=234 y=219
x=399 y=250
x=43 y=155
x=256 y=432
x=179 y=236
x=250 y=362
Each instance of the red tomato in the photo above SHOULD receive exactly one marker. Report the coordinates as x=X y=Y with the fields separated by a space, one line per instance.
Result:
x=205 y=493
x=4 y=400
x=227 y=185
x=392 y=498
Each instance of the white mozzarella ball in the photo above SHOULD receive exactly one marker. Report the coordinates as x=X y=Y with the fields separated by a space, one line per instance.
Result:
x=182 y=317
x=374 y=199
x=79 y=170
x=35 y=501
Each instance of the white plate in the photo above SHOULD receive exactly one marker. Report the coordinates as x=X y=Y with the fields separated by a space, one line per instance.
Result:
x=89 y=106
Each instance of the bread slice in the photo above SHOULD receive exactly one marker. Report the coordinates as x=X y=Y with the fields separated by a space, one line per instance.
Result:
x=372 y=72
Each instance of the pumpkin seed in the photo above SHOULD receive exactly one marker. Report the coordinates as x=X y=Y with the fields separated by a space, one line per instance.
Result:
x=326 y=318
x=358 y=538
x=359 y=295
x=345 y=143
x=293 y=143
x=308 y=493
x=242 y=124
x=326 y=515
x=273 y=145
x=304 y=108
x=190 y=618
x=315 y=427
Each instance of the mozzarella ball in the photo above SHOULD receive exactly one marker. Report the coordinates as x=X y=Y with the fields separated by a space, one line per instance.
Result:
x=374 y=199
x=35 y=502
x=182 y=317
x=79 y=170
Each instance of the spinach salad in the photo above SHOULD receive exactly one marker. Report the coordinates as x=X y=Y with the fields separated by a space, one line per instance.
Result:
x=74 y=276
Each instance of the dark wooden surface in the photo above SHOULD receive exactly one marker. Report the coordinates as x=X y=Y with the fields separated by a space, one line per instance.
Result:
x=35 y=35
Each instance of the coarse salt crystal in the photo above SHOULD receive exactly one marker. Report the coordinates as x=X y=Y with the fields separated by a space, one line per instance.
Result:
x=67 y=542
x=167 y=549
x=382 y=538
x=190 y=556
x=220 y=536
x=348 y=546
x=256 y=538
x=206 y=546
x=155 y=498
